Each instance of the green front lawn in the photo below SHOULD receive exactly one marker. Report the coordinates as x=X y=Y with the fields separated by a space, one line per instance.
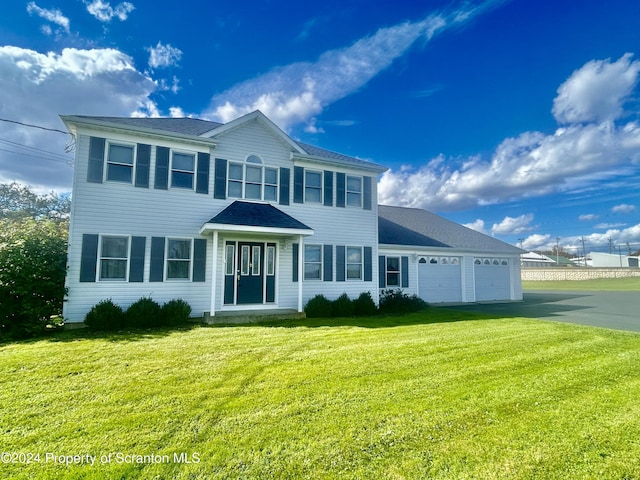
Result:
x=614 y=284
x=438 y=394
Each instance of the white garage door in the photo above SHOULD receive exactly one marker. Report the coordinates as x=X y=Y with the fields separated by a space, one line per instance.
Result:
x=439 y=279
x=493 y=280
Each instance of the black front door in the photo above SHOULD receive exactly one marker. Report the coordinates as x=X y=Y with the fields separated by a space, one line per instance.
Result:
x=250 y=274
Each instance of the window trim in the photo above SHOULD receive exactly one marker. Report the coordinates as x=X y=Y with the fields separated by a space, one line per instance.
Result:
x=193 y=172
x=320 y=173
x=359 y=193
x=244 y=182
x=168 y=240
x=100 y=258
x=395 y=272
x=320 y=263
x=347 y=263
x=107 y=150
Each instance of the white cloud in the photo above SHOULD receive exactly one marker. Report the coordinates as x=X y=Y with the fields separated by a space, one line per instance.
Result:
x=162 y=56
x=104 y=12
x=477 y=225
x=513 y=226
x=296 y=93
x=71 y=82
x=538 y=242
x=623 y=208
x=52 y=15
x=597 y=91
x=588 y=217
x=532 y=164
x=603 y=226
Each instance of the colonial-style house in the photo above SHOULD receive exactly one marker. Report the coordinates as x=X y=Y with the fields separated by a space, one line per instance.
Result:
x=238 y=217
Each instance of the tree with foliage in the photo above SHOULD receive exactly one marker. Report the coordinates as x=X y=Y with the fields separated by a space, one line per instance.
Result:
x=33 y=257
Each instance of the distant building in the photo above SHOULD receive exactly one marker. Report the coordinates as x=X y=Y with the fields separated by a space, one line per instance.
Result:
x=533 y=259
x=598 y=259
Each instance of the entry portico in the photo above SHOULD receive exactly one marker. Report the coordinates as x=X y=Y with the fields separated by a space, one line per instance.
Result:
x=247 y=236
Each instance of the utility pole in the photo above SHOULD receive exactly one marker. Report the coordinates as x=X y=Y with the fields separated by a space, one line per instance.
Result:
x=557 y=251
x=610 y=245
x=584 y=253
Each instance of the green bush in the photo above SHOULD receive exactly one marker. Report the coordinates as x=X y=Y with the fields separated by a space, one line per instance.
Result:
x=318 y=307
x=342 y=306
x=105 y=315
x=33 y=257
x=144 y=313
x=175 y=312
x=396 y=301
x=364 y=305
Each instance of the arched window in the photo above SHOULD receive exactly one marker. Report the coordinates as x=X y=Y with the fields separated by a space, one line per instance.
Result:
x=252 y=180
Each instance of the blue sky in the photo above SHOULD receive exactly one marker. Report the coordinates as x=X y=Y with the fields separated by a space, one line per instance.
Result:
x=518 y=118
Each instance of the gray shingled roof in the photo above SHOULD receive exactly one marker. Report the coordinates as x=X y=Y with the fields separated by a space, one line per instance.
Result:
x=185 y=126
x=197 y=127
x=416 y=227
x=256 y=215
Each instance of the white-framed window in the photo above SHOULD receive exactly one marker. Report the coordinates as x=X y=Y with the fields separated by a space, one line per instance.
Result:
x=178 y=255
x=252 y=180
x=354 y=191
x=120 y=160
x=393 y=271
x=313 y=262
x=312 y=186
x=114 y=257
x=183 y=170
x=354 y=263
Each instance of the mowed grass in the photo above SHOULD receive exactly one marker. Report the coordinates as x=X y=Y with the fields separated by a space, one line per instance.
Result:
x=437 y=394
x=610 y=284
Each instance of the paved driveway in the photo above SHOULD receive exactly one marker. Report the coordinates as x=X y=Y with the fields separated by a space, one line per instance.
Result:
x=617 y=310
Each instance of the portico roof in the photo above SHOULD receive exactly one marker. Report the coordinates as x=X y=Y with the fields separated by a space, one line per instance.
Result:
x=255 y=217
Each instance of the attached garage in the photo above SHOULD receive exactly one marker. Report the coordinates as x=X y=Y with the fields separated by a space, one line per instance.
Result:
x=492 y=279
x=439 y=279
x=442 y=261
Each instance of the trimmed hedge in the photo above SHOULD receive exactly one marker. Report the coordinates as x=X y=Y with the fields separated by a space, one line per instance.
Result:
x=144 y=313
x=391 y=301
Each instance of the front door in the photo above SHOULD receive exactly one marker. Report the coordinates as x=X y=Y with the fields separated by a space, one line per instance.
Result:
x=250 y=273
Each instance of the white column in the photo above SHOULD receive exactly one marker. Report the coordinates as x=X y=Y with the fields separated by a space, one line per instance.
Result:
x=300 y=271
x=214 y=273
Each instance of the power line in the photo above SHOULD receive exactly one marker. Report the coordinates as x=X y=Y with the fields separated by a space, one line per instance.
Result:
x=34 y=126
x=32 y=151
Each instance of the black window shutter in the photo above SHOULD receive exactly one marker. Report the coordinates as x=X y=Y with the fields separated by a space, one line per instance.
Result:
x=382 y=271
x=202 y=178
x=341 y=264
x=285 y=179
x=327 y=273
x=88 y=258
x=367 y=188
x=368 y=267
x=298 y=184
x=220 y=179
x=96 y=160
x=405 y=271
x=341 y=191
x=156 y=270
x=199 y=259
x=143 y=162
x=328 y=188
x=162 y=168
x=295 y=250
x=136 y=264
